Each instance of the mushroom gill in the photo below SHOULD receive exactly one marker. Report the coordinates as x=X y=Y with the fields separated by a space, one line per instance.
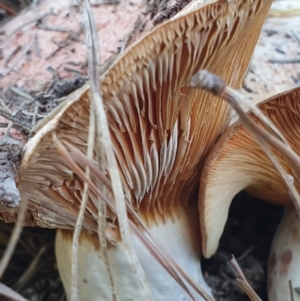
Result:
x=160 y=136
x=237 y=162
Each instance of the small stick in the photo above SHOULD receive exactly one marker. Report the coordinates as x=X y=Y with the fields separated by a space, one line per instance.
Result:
x=32 y=114
x=295 y=36
x=35 y=114
x=15 y=120
x=3 y=104
x=53 y=28
x=101 y=2
x=37 y=18
x=74 y=71
x=21 y=93
x=17 y=61
x=60 y=46
x=291 y=291
x=292 y=61
x=37 y=46
x=10 y=57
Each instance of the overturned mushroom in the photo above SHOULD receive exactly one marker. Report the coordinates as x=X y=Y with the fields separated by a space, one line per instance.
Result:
x=160 y=137
x=244 y=165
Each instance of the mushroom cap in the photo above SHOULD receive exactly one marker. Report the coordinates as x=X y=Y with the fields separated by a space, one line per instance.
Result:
x=237 y=162
x=160 y=136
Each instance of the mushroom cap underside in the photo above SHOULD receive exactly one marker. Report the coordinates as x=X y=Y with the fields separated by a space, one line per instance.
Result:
x=160 y=136
x=237 y=162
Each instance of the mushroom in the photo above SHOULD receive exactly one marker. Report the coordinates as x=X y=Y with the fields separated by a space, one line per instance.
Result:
x=283 y=265
x=161 y=138
x=236 y=163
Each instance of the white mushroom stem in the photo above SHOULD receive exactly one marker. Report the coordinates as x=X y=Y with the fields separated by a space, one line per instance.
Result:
x=180 y=238
x=284 y=260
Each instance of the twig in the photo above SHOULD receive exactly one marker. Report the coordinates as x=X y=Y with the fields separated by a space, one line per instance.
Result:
x=291 y=291
x=53 y=28
x=103 y=137
x=36 y=18
x=7 y=292
x=245 y=254
x=237 y=268
x=82 y=158
x=30 y=270
x=3 y=104
x=242 y=281
x=295 y=36
x=13 y=240
x=35 y=114
x=102 y=150
x=74 y=71
x=10 y=57
x=78 y=226
x=292 y=61
x=17 y=61
x=37 y=46
x=101 y=2
x=21 y=93
x=15 y=120
x=60 y=46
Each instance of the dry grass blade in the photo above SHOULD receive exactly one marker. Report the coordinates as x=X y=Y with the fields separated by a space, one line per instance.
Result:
x=103 y=138
x=14 y=237
x=265 y=139
x=78 y=227
x=94 y=71
x=153 y=247
x=29 y=272
x=242 y=281
x=82 y=158
x=10 y=294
